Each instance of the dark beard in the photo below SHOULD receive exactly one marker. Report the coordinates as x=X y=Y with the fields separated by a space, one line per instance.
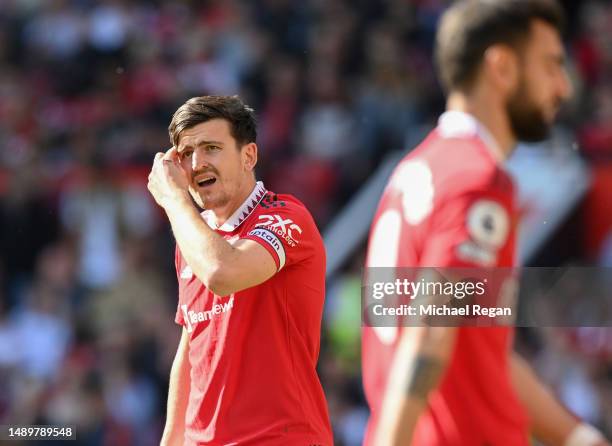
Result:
x=527 y=121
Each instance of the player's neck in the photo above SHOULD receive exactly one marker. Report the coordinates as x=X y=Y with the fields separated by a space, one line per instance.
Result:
x=222 y=214
x=488 y=114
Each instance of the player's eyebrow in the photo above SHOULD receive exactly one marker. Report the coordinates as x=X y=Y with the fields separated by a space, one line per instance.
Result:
x=205 y=142
x=201 y=143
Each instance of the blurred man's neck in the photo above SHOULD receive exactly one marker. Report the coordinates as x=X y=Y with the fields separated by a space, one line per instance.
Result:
x=490 y=112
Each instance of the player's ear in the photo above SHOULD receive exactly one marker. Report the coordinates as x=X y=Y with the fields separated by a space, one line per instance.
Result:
x=248 y=155
x=502 y=67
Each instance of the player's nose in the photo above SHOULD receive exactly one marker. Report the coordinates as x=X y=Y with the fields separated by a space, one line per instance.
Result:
x=198 y=159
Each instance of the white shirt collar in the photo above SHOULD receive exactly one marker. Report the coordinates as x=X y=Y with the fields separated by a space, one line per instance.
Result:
x=457 y=124
x=241 y=213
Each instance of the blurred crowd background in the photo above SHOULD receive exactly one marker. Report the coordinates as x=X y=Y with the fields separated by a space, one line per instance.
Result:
x=87 y=89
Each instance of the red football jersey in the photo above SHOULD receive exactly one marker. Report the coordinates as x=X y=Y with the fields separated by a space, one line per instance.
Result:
x=253 y=354
x=450 y=204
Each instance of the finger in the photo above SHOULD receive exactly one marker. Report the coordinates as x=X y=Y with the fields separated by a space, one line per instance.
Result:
x=158 y=163
x=171 y=154
x=158 y=157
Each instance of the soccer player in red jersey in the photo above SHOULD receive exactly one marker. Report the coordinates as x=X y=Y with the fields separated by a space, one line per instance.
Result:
x=251 y=273
x=449 y=203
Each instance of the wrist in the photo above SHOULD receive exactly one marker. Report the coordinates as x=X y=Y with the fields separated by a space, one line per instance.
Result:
x=173 y=435
x=179 y=203
x=583 y=435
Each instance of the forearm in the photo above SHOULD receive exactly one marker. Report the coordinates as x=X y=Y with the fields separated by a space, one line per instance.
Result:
x=178 y=396
x=419 y=364
x=550 y=422
x=206 y=252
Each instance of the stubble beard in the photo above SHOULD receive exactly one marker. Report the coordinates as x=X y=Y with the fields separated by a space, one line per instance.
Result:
x=215 y=200
x=527 y=119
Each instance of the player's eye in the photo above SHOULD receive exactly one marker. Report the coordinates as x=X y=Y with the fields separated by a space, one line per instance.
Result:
x=186 y=154
x=213 y=148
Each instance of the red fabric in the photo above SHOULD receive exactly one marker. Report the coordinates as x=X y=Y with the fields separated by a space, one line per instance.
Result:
x=596 y=210
x=588 y=59
x=596 y=139
x=253 y=376
x=474 y=404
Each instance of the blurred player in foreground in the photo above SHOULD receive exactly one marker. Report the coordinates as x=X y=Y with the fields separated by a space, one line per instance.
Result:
x=251 y=273
x=450 y=203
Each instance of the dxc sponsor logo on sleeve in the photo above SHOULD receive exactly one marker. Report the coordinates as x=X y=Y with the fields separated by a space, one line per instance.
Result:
x=283 y=227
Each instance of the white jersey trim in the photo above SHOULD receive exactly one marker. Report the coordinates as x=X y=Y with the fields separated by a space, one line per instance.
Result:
x=241 y=214
x=457 y=124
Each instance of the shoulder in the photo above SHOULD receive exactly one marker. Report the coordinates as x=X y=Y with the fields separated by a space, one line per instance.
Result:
x=287 y=217
x=453 y=166
x=283 y=204
x=272 y=200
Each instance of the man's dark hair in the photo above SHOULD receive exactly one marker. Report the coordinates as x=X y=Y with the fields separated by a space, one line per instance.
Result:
x=240 y=116
x=469 y=27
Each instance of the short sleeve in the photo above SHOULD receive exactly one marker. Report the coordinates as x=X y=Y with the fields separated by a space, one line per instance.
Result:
x=286 y=231
x=473 y=228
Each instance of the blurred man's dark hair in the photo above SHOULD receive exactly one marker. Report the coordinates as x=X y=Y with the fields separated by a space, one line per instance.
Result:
x=200 y=109
x=469 y=27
